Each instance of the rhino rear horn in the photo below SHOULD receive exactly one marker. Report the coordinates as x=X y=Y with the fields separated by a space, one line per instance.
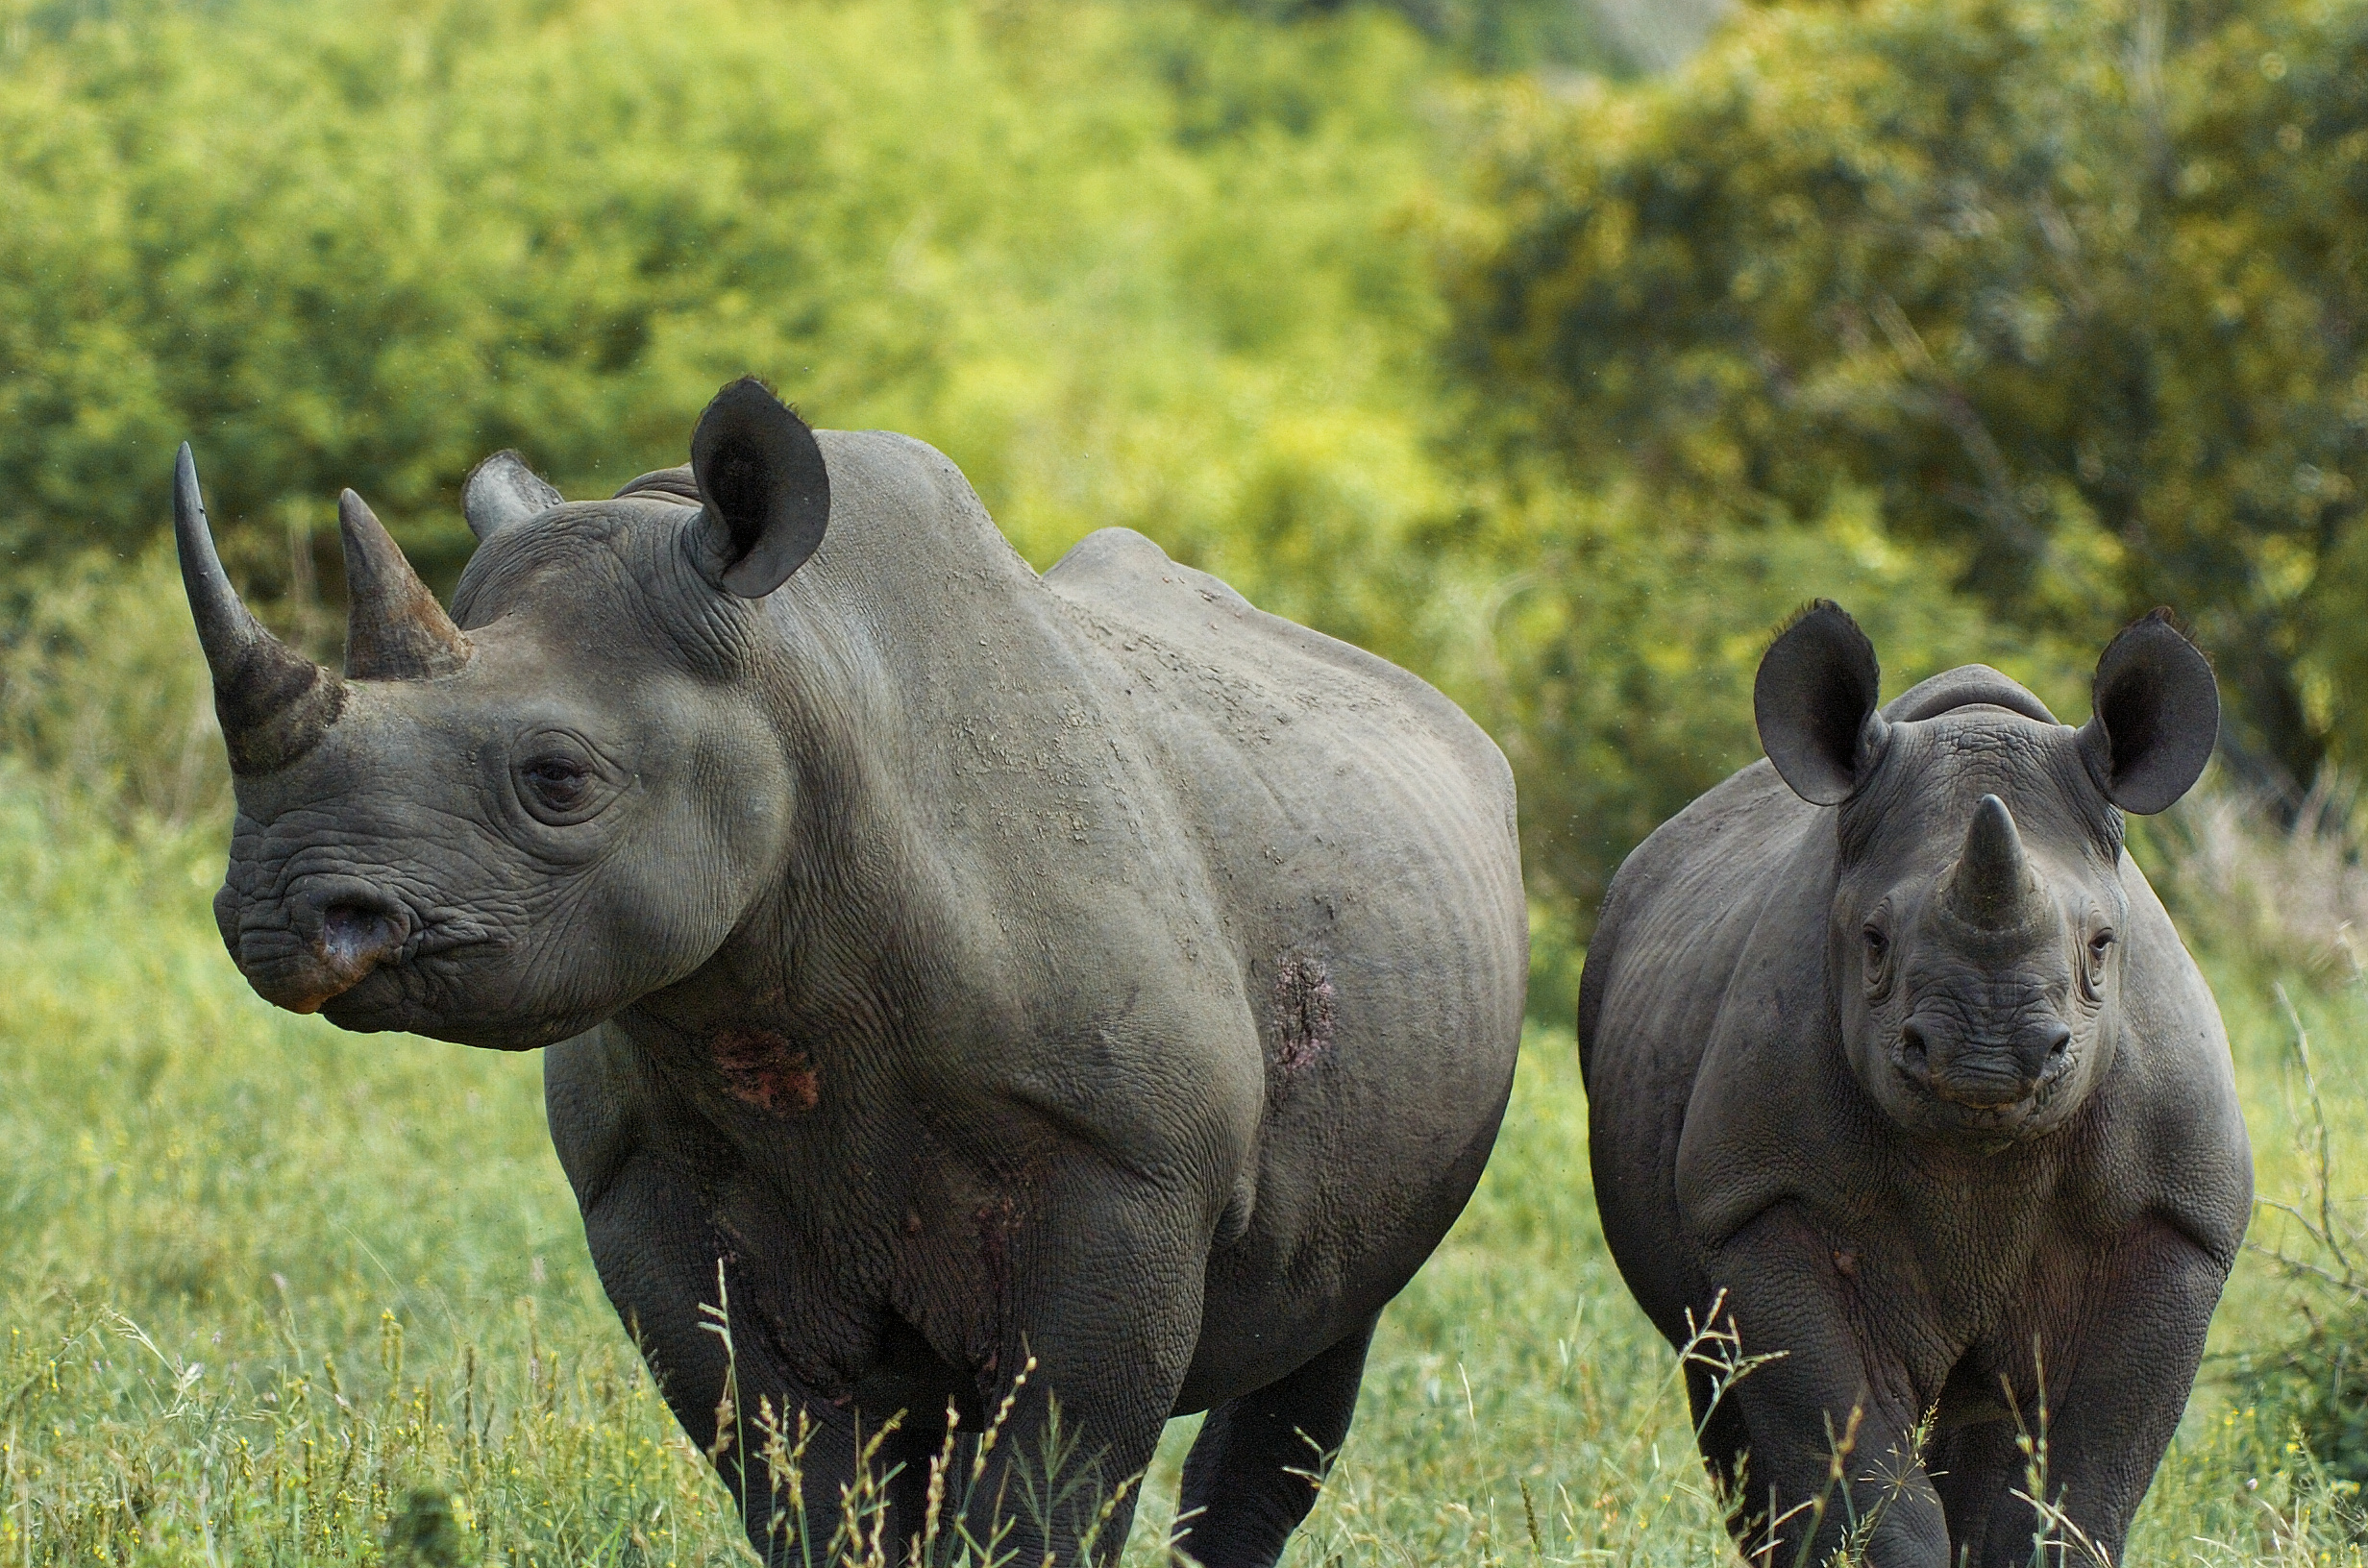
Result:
x=395 y=629
x=2155 y=719
x=1814 y=702
x=501 y=490
x=764 y=485
x=274 y=704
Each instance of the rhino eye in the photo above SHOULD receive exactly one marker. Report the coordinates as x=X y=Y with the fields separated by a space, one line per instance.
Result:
x=1878 y=956
x=557 y=782
x=2098 y=945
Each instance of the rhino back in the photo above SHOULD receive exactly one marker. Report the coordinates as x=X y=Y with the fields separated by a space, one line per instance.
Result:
x=1132 y=767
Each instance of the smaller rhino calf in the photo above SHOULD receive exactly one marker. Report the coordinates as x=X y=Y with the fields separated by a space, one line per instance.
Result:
x=1899 y=1075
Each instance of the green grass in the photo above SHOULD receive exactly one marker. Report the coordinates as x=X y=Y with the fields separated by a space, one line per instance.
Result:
x=261 y=1280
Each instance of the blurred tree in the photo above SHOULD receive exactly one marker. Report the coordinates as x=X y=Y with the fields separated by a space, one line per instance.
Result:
x=1497 y=35
x=1609 y=638
x=1147 y=263
x=2074 y=289
x=1164 y=263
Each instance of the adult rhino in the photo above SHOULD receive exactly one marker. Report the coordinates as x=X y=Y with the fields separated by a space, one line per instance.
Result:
x=964 y=967
x=1898 y=1072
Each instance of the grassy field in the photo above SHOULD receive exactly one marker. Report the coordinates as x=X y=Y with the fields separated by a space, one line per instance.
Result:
x=261 y=1280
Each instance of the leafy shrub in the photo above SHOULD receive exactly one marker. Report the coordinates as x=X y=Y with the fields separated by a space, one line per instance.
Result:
x=1503 y=34
x=1144 y=263
x=2316 y=1385
x=1167 y=265
x=2073 y=290
x=1610 y=641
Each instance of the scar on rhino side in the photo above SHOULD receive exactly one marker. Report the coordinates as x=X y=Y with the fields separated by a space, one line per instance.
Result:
x=765 y=1071
x=1303 y=1006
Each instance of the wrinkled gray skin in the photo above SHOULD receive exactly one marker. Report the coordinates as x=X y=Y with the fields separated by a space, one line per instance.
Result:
x=1897 y=1071
x=971 y=966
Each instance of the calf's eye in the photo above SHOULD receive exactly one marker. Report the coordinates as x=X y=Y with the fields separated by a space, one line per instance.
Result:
x=1878 y=960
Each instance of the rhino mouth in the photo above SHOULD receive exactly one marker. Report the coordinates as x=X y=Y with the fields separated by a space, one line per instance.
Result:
x=351 y=956
x=304 y=975
x=1979 y=1097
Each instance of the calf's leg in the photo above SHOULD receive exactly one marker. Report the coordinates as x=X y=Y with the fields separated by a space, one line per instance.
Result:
x=2116 y=1378
x=1826 y=1404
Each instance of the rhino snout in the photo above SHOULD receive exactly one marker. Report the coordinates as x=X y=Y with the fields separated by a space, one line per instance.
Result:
x=1945 y=1061
x=335 y=931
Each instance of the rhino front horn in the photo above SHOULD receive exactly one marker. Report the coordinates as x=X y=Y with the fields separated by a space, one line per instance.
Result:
x=395 y=629
x=274 y=702
x=1993 y=877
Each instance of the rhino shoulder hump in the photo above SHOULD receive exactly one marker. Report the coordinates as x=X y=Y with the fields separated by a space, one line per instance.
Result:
x=1124 y=563
x=1129 y=585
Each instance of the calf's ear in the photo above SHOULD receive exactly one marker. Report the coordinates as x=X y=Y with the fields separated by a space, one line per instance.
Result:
x=2157 y=716
x=762 y=483
x=1814 y=702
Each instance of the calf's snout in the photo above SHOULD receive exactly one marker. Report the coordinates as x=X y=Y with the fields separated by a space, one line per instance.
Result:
x=1977 y=1069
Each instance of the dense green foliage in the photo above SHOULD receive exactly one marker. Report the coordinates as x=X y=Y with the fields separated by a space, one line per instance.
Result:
x=1996 y=365
x=2073 y=289
x=1127 y=263
x=1495 y=34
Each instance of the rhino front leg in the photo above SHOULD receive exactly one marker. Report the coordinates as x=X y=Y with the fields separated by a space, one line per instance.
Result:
x=660 y=1273
x=645 y=1223
x=1104 y=1296
x=2115 y=1375
x=1823 y=1436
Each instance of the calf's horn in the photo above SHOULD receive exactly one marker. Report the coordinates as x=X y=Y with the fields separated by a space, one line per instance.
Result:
x=274 y=702
x=395 y=629
x=1992 y=876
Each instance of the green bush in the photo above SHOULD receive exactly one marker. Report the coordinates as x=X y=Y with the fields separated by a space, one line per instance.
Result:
x=2316 y=1387
x=2074 y=291
x=1150 y=263
x=1610 y=641
x=1165 y=264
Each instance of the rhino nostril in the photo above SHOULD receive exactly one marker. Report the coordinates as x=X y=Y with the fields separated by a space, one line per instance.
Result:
x=1912 y=1054
x=2060 y=1041
x=352 y=933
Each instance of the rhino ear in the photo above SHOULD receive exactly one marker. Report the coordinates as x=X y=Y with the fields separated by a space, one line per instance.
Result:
x=1814 y=702
x=765 y=488
x=503 y=490
x=2157 y=716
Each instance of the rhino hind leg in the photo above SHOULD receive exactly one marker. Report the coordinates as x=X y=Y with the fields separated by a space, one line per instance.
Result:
x=1248 y=1480
x=1725 y=1438
x=1976 y=1468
